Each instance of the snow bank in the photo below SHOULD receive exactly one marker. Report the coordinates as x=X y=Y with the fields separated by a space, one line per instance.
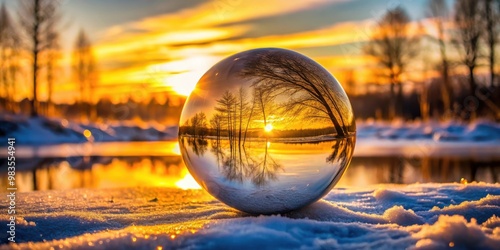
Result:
x=43 y=131
x=46 y=131
x=456 y=232
x=478 y=131
x=419 y=216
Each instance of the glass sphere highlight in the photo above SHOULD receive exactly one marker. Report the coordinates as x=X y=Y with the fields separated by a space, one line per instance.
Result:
x=267 y=131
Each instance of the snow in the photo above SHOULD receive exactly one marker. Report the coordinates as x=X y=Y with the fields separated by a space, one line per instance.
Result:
x=417 y=216
x=49 y=131
x=44 y=131
x=478 y=131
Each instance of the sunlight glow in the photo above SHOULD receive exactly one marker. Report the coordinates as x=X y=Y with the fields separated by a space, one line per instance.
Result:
x=188 y=182
x=268 y=128
x=189 y=70
x=176 y=149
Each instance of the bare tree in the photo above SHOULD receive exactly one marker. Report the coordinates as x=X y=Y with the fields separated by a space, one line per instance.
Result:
x=84 y=68
x=216 y=124
x=264 y=102
x=226 y=106
x=491 y=17
x=468 y=20
x=36 y=16
x=9 y=55
x=307 y=85
x=52 y=57
x=350 y=82
x=199 y=123
x=249 y=116
x=242 y=107
x=393 y=47
x=438 y=11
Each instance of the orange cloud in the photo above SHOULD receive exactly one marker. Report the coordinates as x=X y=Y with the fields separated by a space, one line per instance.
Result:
x=172 y=51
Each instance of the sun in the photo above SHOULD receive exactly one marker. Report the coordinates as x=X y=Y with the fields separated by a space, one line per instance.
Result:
x=268 y=128
x=184 y=89
x=188 y=182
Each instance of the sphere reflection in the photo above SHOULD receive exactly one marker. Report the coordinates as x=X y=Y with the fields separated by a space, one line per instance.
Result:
x=267 y=131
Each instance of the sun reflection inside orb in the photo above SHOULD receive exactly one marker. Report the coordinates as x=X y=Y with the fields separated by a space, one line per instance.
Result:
x=268 y=128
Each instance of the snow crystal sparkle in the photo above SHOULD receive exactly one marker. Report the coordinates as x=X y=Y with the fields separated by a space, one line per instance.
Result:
x=267 y=131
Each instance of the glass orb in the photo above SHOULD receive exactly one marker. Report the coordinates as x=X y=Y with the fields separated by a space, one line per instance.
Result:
x=267 y=131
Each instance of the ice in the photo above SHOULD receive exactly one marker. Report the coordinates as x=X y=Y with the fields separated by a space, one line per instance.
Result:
x=418 y=216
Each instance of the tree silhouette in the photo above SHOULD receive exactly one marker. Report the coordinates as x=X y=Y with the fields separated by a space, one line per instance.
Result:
x=264 y=99
x=263 y=169
x=469 y=30
x=52 y=56
x=245 y=163
x=304 y=81
x=226 y=106
x=242 y=109
x=393 y=47
x=9 y=55
x=84 y=68
x=342 y=150
x=216 y=124
x=249 y=117
x=491 y=17
x=438 y=11
x=198 y=145
x=36 y=17
x=199 y=124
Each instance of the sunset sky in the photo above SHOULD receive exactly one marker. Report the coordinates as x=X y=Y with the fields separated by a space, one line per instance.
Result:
x=159 y=46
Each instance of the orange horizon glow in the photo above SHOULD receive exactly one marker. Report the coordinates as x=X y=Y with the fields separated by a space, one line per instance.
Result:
x=169 y=53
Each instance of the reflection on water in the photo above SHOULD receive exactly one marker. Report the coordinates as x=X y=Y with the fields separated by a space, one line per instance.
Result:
x=97 y=172
x=401 y=170
x=287 y=175
x=169 y=171
x=263 y=162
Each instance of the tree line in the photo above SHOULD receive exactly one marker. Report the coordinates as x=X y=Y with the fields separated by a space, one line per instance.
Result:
x=152 y=110
x=471 y=30
x=30 y=45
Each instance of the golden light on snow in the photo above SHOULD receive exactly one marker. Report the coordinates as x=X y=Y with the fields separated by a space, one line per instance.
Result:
x=87 y=133
x=463 y=181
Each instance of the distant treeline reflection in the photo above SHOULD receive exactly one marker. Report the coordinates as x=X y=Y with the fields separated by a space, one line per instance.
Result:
x=254 y=161
x=202 y=132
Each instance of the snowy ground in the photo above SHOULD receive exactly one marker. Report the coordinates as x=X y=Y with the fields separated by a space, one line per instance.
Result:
x=420 y=216
x=45 y=131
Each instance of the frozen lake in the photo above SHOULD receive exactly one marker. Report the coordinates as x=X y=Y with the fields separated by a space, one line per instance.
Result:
x=158 y=164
